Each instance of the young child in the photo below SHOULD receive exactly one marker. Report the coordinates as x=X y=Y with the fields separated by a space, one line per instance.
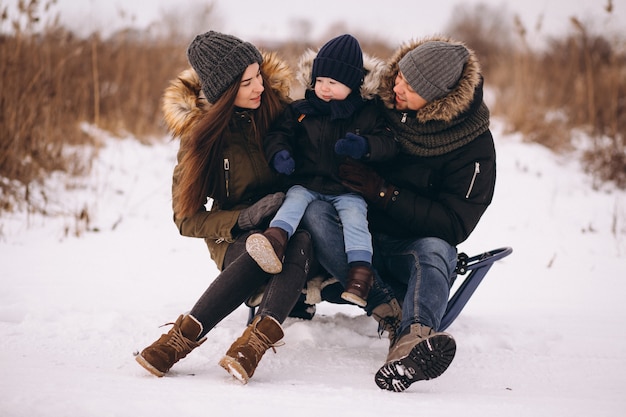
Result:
x=337 y=118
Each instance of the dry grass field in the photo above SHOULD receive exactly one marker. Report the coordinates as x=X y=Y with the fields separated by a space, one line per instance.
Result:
x=53 y=82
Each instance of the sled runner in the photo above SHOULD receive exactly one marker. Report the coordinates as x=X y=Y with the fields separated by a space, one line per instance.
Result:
x=477 y=266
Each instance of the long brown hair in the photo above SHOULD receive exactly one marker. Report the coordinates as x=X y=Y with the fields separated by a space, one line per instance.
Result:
x=200 y=159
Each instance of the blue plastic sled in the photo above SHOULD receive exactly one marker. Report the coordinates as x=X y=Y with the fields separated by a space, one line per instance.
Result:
x=477 y=266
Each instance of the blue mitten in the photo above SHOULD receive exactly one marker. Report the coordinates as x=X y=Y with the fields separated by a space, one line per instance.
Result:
x=352 y=145
x=283 y=162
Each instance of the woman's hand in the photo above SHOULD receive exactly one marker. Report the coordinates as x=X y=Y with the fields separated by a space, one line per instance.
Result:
x=253 y=216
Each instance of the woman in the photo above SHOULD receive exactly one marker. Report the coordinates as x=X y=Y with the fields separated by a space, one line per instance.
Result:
x=221 y=109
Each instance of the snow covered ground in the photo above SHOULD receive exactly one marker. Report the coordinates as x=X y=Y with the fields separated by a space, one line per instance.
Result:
x=543 y=335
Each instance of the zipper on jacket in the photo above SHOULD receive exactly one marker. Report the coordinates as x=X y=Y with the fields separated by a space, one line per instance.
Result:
x=476 y=172
x=403 y=118
x=227 y=176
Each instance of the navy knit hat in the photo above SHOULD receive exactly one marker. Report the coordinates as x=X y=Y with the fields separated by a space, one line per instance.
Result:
x=434 y=68
x=341 y=59
x=220 y=59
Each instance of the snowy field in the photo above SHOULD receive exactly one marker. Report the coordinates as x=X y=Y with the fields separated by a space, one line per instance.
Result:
x=543 y=335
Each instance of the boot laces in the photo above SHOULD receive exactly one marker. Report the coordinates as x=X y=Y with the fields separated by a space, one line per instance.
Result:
x=178 y=341
x=260 y=342
x=390 y=324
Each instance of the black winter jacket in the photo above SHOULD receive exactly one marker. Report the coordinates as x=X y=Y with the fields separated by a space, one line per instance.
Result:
x=439 y=196
x=446 y=171
x=311 y=142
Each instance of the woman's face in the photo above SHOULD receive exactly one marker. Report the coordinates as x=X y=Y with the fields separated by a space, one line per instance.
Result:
x=250 y=88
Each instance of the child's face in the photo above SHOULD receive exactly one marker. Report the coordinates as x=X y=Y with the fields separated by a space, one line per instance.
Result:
x=328 y=89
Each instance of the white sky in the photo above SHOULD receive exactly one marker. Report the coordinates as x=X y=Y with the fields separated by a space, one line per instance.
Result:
x=395 y=21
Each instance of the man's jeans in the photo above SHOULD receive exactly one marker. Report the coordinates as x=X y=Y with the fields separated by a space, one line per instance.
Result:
x=418 y=271
x=424 y=269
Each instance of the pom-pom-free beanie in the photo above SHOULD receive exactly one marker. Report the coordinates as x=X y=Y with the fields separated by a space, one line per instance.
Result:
x=220 y=59
x=434 y=68
x=341 y=59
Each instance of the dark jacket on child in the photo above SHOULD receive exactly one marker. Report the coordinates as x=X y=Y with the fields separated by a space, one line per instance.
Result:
x=309 y=128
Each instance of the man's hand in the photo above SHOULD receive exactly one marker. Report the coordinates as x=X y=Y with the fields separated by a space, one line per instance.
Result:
x=362 y=179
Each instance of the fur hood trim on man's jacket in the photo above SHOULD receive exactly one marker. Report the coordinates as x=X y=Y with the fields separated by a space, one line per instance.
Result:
x=374 y=69
x=184 y=103
x=448 y=107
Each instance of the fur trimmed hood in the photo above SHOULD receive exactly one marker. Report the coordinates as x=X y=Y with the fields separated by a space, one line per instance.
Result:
x=184 y=103
x=444 y=109
x=374 y=69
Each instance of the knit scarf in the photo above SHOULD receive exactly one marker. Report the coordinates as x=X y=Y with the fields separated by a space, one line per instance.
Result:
x=337 y=109
x=438 y=137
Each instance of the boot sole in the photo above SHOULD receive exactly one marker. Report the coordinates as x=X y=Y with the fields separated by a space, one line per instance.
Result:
x=235 y=369
x=148 y=367
x=427 y=360
x=261 y=250
x=353 y=298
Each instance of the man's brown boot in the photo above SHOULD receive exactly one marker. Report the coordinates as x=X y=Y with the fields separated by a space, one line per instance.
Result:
x=419 y=354
x=245 y=353
x=268 y=249
x=360 y=281
x=388 y=316
x=171 y=347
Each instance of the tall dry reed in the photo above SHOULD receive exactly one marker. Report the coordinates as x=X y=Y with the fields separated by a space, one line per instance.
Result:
x=574 y=82
x=53 y=80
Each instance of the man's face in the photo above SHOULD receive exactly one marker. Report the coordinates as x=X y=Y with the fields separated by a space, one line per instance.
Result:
x=406 y=97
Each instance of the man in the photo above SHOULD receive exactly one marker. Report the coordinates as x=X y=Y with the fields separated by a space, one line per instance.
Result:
x=423 y=203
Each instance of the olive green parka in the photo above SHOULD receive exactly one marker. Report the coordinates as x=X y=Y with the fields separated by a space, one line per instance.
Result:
x=245 y=174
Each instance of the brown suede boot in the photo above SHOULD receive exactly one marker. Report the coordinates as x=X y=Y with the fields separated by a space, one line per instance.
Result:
x=246 y=352
x=268 y=249
x=388 y=316
x=360 y=280
x=419 y=354
x=171 y=347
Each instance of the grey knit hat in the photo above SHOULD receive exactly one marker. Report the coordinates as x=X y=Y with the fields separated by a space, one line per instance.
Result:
x=341 y=59
x=434 y=68
x=220 y=59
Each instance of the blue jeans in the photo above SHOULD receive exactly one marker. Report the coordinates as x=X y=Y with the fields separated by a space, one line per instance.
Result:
x=422 y=270
x=419 y=272
x=352 y=211
x=323 y=224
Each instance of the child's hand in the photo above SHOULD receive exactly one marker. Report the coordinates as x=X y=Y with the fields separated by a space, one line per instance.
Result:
x=283 y=162
x=352 y=145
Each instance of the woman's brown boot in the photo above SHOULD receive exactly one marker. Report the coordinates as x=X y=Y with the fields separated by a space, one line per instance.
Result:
x=244 y=355
x=171 y=347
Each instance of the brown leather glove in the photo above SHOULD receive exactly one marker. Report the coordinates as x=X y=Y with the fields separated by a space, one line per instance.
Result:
x=362 y=179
